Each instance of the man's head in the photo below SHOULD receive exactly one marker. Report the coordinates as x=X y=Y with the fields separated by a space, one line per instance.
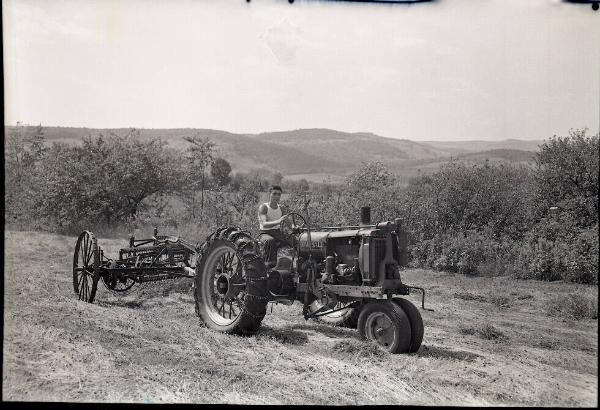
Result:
x=275 y=195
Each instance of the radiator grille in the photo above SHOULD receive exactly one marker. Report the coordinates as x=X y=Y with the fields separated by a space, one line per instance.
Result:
x=376 y=255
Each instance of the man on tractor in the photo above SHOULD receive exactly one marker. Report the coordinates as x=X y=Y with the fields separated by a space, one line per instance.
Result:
x=270 y=218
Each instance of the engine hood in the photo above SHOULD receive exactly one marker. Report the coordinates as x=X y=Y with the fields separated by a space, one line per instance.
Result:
x=319 y=238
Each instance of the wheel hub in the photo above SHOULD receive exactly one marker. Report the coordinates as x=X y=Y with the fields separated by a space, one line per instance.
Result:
x=381 y=329
x=222 y=285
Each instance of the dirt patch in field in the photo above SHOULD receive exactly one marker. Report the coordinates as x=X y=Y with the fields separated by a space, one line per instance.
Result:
x=489 y=341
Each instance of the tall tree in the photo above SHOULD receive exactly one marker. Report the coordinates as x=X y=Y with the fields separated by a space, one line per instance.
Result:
x=104 y=179
x=277 y=178
x=201 y=154
x=567 y=175
x=220 y=170
x=24 y=149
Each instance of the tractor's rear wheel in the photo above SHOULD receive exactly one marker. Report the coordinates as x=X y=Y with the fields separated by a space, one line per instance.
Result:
x=86 y=263
x=230 y=288
x=385 y=323
x=416 y=323
x=346 y=317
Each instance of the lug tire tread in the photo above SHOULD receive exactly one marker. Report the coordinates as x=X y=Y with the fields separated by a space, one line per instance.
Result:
x=254 y=307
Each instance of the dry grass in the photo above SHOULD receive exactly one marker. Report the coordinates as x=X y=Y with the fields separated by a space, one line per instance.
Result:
x=487 y=332
x=494 y=344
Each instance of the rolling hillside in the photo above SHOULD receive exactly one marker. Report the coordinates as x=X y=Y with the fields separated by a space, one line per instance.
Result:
x=511 y=155
x=458 y=147
x=316 y=153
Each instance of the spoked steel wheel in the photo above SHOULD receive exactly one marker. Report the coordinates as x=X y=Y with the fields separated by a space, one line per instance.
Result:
x=224 y=285
x=385 y=323
x=86 y=262
x=231 y=284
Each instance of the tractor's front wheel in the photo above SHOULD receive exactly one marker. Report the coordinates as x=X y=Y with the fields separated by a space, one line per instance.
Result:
x=385 y=323
x=231 y=283
x=416 y=323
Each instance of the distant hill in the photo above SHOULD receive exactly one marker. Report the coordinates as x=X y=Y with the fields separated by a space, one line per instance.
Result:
x=352 y=146
x=477 y=145
x=316 y=153
x=511 y=155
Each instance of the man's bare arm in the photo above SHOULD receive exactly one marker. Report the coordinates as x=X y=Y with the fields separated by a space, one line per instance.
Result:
x=262 y=216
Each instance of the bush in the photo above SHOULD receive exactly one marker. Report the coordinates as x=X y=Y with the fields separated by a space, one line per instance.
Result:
x=546 y=253
x=582 y=258
x=558 y=254
x=460 y=198
x=472 y=253
x=575 y=306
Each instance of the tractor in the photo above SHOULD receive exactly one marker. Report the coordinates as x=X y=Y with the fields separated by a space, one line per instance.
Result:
x=343 y=275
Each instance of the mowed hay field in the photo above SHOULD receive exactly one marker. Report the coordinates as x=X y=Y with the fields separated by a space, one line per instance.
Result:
x=490 y=341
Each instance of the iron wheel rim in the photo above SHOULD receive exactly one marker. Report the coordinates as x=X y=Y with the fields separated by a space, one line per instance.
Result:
x=84 y=269
x=224 y=308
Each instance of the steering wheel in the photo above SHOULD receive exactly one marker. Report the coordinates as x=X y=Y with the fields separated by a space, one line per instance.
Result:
x=291 y=227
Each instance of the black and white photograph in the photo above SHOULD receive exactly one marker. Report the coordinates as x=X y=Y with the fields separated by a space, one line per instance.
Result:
x=301 y=202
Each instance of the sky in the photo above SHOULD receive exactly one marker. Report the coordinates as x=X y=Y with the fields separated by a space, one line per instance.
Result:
x=440 y=70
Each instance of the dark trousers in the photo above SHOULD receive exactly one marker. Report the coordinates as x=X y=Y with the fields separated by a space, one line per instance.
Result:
x=272 y=240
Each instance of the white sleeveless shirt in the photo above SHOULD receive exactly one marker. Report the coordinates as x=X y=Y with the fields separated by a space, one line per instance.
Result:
x=272 y=215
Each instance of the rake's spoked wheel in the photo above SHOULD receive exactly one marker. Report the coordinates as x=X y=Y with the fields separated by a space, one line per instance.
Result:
x=86 y=263
x=346 y=317
x=385 y=323
x=230 y=288
x=416 y=323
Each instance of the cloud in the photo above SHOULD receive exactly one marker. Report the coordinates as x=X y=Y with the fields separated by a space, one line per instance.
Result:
x=34 y=22
x=283 y=39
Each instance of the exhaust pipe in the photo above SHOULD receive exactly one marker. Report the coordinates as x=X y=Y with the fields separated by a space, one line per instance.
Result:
x=365 y=215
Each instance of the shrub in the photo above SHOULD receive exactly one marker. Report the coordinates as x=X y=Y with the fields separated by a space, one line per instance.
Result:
x=576 y=306
x=582 y=258
x=460 y=198
x=472 y=253
x=550 y=254
x=552 y=250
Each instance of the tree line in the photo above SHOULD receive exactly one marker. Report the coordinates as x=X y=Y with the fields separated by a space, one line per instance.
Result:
x=530 y=221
